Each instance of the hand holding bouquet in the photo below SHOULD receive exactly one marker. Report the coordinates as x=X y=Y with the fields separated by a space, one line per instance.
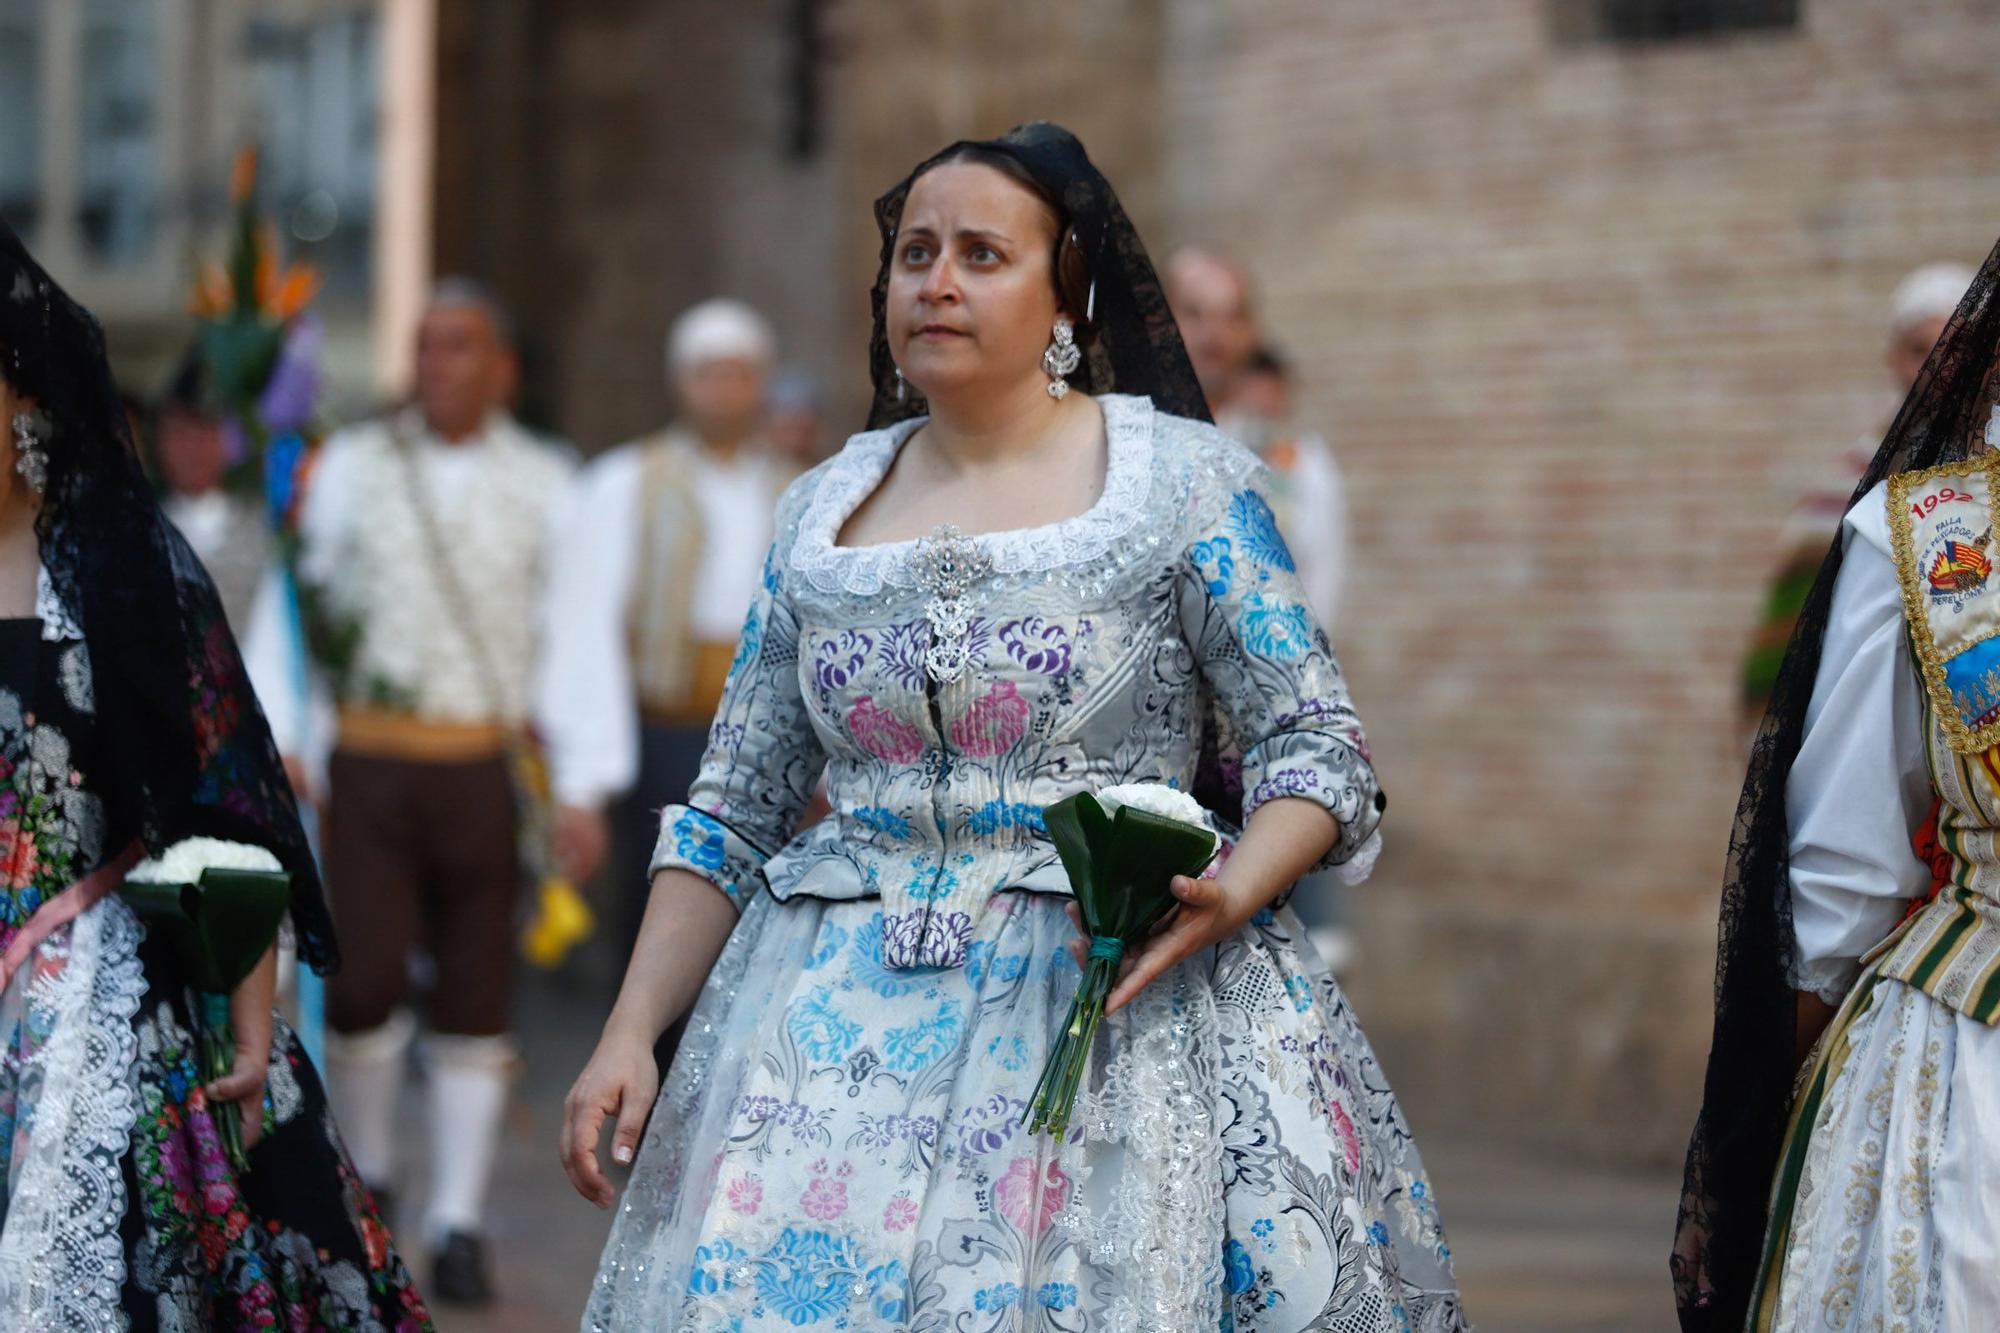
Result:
x=217 y=905
x=1123 y=848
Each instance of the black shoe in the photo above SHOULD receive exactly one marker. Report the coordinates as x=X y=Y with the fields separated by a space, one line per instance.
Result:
x=460 y=1276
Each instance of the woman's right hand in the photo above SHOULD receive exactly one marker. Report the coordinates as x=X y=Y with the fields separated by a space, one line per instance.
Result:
x=621 y=1080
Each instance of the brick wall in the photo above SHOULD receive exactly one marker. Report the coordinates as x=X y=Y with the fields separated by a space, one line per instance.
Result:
x=1579 y=319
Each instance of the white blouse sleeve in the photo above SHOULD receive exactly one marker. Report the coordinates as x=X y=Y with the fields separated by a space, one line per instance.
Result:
x=1861 y=784
x=584 y=691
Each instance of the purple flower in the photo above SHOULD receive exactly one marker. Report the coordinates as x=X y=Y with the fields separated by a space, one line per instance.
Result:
x=292 y=392
x=1037 y=644
x=838 y=660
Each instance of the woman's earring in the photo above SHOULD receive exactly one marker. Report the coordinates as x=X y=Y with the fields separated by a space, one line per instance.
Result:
x=1062 y=359
x=902 y=385
x=30 y=459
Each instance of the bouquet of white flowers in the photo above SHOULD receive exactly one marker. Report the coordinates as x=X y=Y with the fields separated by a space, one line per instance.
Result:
x=1122 y=847
x=217 y=905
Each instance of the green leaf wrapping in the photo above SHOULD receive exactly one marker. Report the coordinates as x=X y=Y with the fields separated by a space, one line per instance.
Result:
x=218 y=930
x=1121 y=868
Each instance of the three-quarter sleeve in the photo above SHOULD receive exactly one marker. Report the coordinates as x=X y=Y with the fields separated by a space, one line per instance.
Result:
x=1860 y=786
x=762 y=760
x=1268 y=664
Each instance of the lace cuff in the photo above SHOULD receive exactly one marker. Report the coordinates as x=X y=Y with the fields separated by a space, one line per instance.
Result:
x=696 y=841
x=1828 y=978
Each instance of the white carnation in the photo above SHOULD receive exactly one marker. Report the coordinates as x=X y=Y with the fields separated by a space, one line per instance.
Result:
x=1155 y=799
x=186 y=860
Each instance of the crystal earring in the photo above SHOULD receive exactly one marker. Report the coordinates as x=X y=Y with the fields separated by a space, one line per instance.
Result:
x=30 y=459
x=902 y=385
x=1062 y=358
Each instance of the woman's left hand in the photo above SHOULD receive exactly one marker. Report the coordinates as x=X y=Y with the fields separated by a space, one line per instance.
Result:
x=241 y=1090
x=250 y=1025
x=1209 y=912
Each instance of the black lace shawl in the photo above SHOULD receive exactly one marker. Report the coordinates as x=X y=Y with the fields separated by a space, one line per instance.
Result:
x=196 y=757
x=1748 y=1090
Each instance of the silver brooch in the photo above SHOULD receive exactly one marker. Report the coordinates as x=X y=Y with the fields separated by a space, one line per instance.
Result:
x=948 y=565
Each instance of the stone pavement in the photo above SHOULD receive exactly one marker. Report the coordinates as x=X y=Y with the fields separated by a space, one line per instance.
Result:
x=1542 y=1245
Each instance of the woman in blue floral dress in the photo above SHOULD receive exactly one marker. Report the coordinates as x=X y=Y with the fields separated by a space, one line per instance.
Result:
x=839 y=1143
x=127 y=725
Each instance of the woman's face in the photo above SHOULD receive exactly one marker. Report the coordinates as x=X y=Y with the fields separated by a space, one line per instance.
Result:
x=971 y=303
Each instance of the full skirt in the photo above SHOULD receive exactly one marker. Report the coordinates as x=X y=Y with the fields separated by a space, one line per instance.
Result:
x=840 y=1145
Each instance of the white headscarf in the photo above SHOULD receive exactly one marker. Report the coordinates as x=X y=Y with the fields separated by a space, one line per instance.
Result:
x=717 y=330
x=1927 y=293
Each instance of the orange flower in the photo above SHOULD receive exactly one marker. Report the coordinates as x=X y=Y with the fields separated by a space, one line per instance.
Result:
x=295 y=291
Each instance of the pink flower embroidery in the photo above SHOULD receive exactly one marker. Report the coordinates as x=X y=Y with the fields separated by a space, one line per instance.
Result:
x=900 y=1215
x=19 y=860
x=824 y=1199
x=883 y=734
x=746 y=1194
x=1028 y=1206
x=1350 y=1142
x=994 y=724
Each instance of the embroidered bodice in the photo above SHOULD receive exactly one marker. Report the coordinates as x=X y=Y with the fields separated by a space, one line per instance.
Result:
x=53 y=824
x=955 y=686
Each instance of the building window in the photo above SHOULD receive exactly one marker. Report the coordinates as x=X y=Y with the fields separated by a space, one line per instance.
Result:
x=21 y=126
x=315 y=100
x=1644 y=22
x=117 y=112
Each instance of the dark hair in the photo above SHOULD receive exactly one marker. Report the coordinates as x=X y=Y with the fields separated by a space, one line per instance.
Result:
x=1067 y=268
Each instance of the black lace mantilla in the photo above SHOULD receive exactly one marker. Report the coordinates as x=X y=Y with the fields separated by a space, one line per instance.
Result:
x=1748 y=1090
x=195 y=757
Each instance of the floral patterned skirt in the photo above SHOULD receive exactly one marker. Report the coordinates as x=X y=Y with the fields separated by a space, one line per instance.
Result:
x=1894 y=1211
x=839 y=1145
x=117 y=1207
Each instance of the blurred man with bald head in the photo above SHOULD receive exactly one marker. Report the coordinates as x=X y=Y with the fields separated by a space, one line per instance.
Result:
x=1214 y=302
x=424 y=539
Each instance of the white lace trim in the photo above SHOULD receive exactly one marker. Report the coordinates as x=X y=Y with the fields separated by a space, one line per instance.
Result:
x=1357 y=868
x=57 y=622
x=1158 y=1223
x=62 y=1264
x=854 y=473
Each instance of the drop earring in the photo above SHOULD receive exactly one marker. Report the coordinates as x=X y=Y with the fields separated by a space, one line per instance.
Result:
x=30 y=459
x=1061 y=359
x=902 y=385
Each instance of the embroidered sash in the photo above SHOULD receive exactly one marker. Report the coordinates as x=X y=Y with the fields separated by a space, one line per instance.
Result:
x=1941 y=524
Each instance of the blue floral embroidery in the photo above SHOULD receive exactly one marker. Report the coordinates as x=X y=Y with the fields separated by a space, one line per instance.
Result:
x=995 y=815
x=1216 y=565
x=747 y=645
x=890 y=1286
x=1378 y=1234
x=868 y=968
x=807 y=1276
x=699 y=840
x=996 y=1297
x=1242 y=1274
x=911 y=1048
x=982 y=960
x=822 y=1031
x=1251 y=517
x=881 y=819
x=1300 y=989
x=1280 y=630
x=1057 y=1295
x=830 y=940
x=721 y=1254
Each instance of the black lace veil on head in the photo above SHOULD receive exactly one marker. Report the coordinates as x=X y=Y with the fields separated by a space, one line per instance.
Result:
x=1748 y=1089
x=1130 y=341
x=195 y=755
